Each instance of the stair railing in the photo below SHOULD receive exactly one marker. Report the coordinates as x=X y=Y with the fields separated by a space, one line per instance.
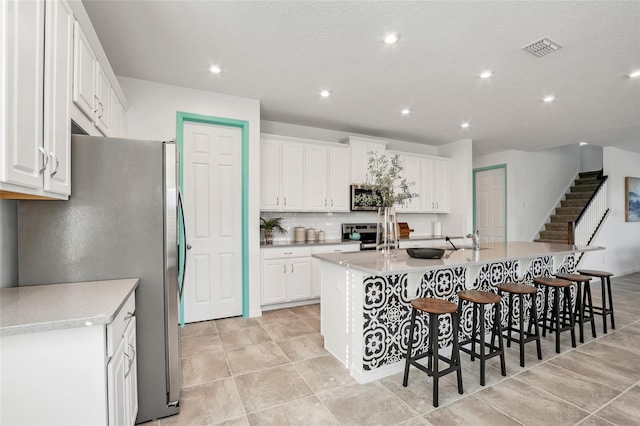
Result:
x=584 y=228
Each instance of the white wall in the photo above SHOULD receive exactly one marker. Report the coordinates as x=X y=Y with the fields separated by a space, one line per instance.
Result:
x=535 y=183
x=460 y=154
x=8 y=243
x=621 y=239
x=152 y=115
x=590 y=158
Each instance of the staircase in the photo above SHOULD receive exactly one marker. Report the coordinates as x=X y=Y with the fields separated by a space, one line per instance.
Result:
x=583 y=188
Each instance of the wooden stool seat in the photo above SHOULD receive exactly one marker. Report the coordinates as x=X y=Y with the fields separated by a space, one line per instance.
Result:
x=605 y=280
x=573 y=277
x=479 y=300
x=524 y=335
x=552 y=282
x=593 y=273
x=434 y=306
x=557 y=284
x=584 y=302
x=476 y=296
x=517 y=288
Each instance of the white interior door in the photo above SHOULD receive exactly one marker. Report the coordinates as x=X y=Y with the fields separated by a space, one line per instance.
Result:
x=490 y=205
x=213 y=204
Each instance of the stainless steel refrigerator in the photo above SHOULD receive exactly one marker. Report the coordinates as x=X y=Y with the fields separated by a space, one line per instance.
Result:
x=121 y=221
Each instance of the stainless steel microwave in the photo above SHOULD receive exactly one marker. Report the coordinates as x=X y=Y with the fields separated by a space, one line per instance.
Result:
x=361 y=189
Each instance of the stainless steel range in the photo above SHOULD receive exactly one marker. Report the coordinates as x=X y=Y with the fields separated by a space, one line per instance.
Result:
x=367 y=233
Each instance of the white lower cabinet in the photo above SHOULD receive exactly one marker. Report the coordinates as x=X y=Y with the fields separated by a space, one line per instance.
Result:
x=75 y=376
x=286 y=274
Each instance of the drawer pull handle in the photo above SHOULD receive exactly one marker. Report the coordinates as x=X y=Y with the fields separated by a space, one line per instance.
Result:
x=46 y=160
x=288 y=252
x=339 y=250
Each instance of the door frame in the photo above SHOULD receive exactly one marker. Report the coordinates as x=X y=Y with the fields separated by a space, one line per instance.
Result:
x=484 y=169
x=243 y=125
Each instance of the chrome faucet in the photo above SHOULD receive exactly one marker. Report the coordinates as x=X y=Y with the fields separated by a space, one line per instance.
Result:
x=475 y=240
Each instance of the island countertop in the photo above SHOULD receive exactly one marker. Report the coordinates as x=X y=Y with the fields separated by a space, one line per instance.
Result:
x=31 y=309
x=370 y=262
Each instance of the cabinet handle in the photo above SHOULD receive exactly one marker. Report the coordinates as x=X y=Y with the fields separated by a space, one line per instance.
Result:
x=46 y=160
x=284 y=269
x=285 y=202
x=55 y=170
x=101 y=110
x=288 y=252
x=338 y=250
x=292 y=268
x=130 y=359
x=332 y=202
x=97 y=105
x=325 y=202
x=277 y=201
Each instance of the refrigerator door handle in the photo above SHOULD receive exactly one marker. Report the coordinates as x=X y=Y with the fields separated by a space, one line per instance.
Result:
x=184 y=247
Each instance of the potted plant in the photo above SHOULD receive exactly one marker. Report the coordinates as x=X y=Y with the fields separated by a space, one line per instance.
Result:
x=269 y=225
x=385 y=178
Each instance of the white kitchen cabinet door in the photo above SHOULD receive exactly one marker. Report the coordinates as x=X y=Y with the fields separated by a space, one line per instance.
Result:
x=58 y=70
x=316 y=168
x=84 y=73
x=21 y=93
x=131 y=373
x=292 y=176
x=102 y=106
x=427 y=200
x=360 y=157
x=270 y=175
x=274 y=281
x=441 y=188
x=338 y=184
x=116 y=385
x=299 y=279
x=412 y=166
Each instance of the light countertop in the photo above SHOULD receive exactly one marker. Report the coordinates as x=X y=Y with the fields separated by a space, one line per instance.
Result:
x=373 y=263
x=31 y=309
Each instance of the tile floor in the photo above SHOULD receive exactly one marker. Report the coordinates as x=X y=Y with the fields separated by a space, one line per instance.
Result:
x=273 y=370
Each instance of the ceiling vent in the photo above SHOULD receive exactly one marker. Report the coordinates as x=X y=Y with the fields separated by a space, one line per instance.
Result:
x=542 y=47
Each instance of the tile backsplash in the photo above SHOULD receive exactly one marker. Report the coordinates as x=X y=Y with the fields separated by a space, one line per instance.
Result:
x=331 y=223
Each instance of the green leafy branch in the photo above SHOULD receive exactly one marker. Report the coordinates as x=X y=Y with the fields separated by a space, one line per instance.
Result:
x=385 y=177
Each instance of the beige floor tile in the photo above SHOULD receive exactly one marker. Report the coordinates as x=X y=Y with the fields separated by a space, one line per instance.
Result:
x=199 y=345
x=419 y=391
x=236 y=339
x=369 y=404
x=268 y=388
x=203 y=369
x=565 y=384
x=204 y=328
x=287 y=330
x=627 y=338
x=600 y=370
x=416 y=421
x=236 y=323
x=207 y=404
x=530 y=405
x=313 y=322
x=307 y=310
x=238 y=421
x=307 y=411
x=594 y=420
x=617 y=355
x=255 y=357
x=625 y=410
x=323 y=373
x=278 y=315
x=469 y=411
x=304 y=347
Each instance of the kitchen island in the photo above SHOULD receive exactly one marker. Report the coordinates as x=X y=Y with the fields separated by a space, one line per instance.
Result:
x=365 y=298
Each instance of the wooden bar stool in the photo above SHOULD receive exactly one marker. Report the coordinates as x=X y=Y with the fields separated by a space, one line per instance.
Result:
x=554 y=321
x=479 y=300
x=583 y=301
x=605 y=278
x=435 y=308
x=524 y=336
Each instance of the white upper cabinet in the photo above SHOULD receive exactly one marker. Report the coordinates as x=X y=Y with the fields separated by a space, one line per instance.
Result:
x=412 y=172
x=84 y=72
x=440 y=187
x=270 y=174
x=58 y=69
x=360 y=148
x=338 y=180
x=292 y=176
x=102 y=103
x=316 y=169
x=282 y=167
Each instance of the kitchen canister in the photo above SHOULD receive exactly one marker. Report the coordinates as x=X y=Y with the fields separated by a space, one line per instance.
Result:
x=321 y=236
x=298 y=234
x=311 y=234
x=437 y=228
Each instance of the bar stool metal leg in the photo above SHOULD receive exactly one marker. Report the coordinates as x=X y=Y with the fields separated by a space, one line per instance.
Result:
x=433 y=331
x=613 y=321
x=456 y=350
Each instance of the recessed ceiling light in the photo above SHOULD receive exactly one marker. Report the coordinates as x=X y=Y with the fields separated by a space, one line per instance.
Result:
x=582 y=143
x=405 y=111
x=325 y=93
x=486 y=74
x=391 y=38
x=549 y=98
x=215 y=69
x=465 y=125
x=634 y=74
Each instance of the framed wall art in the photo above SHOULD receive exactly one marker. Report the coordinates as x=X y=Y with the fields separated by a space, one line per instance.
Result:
x=632 y=199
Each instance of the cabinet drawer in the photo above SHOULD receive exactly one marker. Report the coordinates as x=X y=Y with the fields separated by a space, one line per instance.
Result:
x=285 y=252
x=336 y=248
x=116 y=330
x=405 y=244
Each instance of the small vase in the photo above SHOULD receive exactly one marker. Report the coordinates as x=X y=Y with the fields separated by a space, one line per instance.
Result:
x=387 y=235
x=268 y=236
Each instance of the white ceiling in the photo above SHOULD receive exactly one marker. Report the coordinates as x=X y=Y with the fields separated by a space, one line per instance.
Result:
x=285 y=53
